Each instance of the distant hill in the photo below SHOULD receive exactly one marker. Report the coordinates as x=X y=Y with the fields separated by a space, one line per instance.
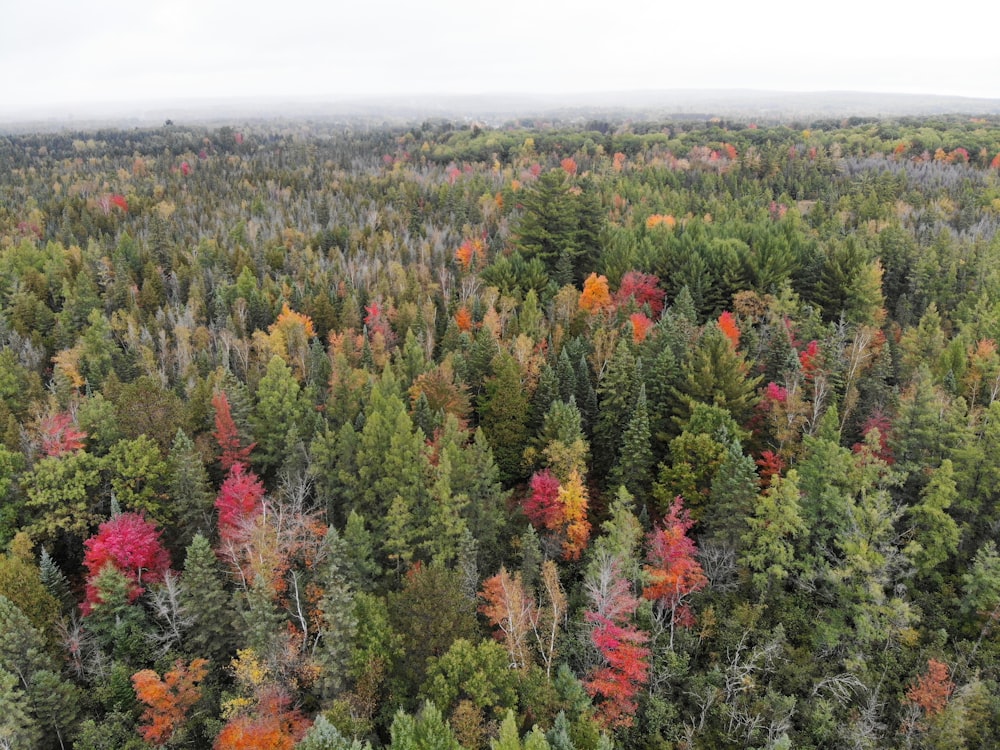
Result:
x=498 y=108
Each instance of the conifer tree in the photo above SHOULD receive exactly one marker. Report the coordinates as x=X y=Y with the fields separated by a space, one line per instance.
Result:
x=204 y=596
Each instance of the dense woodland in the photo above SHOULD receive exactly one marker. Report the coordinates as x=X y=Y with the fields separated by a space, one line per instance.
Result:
x=643 y=435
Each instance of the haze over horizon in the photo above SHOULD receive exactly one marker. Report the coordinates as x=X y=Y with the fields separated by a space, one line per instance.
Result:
x=68 y=55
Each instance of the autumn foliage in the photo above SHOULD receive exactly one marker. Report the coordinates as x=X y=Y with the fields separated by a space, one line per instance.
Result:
x=644 y=289
x=168 y=699
x=239 y=500
x=727 y=324
x=626 y=668
x=640 y=327
x=932 y=689
x=672 y=566
x=58 y=435
x=226 y=434
x=132 y=545
x=542 y=505
x=273 y=726
x=595 y=296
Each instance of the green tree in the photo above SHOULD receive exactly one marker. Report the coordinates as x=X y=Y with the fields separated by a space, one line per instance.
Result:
x=476 y=672
x=426 y=731
x=935 y=533
x=139 y=478
x=62 y=496
x=503 y=416
x=776 y=523
x=280 y=418
x=206 y=600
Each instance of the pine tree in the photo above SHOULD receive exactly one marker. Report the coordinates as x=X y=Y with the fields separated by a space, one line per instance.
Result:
x=188 y=488
x=204 y=596
x=635 y=460
x=280 y=409
x=776 y=524
x=935 y=532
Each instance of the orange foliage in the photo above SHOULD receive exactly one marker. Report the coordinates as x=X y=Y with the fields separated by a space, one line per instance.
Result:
x=995 y=164
x=573 y=498
x=569 y=165
x=727 y=324
x=661 y=220
x=596 y=295
x=463 y=319
x=900 y=148
x=290 y=319
x=275 y=726
x=640 y=327
x=932 y=689
x=470 y=252
x=509 y=609
x=167 y=700
x=618 y=162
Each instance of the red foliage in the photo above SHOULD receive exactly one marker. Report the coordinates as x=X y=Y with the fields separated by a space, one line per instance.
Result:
x=644 y=289
x=727 y=324
x=132 y=545
x=226 y=434
x=542 y=507
x=185 y=168
x=59 y=436
x=276 y=726
x=808 y=359
x=775 y=393
x=673 y=568
x=239 y=500
x=932 y=689
x=877 y=421
x=120 y=202
x=569 y=165
x=535 y=169
x=730 y=150
x=771 y=465
x=377 y=323
x=167 y=700
x=625 y=667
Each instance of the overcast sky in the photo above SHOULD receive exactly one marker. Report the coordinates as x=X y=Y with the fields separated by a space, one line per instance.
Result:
x=57 y=54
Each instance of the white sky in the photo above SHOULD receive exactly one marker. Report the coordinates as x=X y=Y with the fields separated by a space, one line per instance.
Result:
x=55 y=54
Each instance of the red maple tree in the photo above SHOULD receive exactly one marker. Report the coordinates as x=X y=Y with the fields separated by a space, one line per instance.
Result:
x=227 y=435
x=626 y=668
x=132 y=545
x=59 y=436
x=239 y=500
x=673 y=568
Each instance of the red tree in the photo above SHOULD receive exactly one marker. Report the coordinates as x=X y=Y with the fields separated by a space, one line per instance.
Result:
x=932 y=689
x=542 y=506
x=625 y=669
x=239 y=500
x=673 y=568
x=130 y=543
x=644 y=289
x=226 y=434
x=59 y=436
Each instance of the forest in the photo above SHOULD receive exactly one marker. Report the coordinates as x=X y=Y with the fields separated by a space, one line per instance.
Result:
x=581 y=436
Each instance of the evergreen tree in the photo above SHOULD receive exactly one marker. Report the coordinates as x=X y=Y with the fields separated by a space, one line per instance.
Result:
x=204 y=597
